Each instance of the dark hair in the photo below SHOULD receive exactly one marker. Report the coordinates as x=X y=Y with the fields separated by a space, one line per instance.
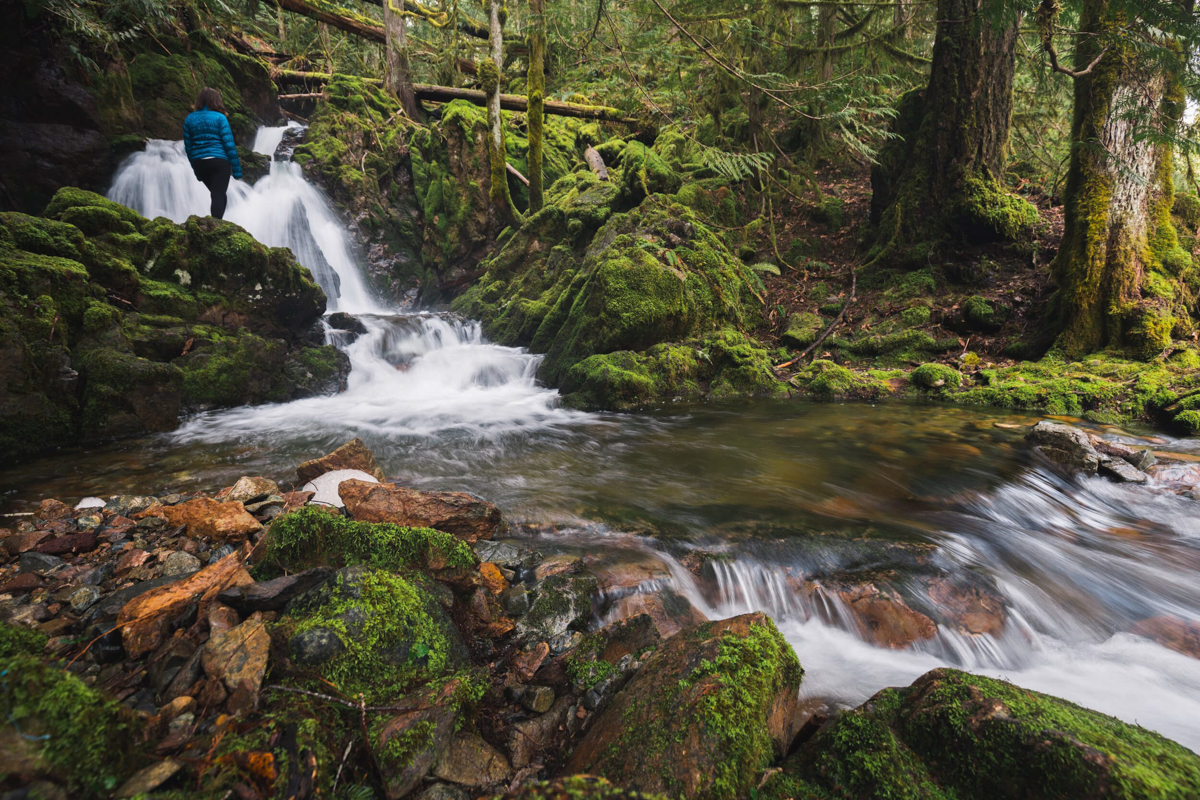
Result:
x=212 y=98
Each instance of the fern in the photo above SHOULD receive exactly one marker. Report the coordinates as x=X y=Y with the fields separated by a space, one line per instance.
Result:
x=766 y=266
x=735 y=167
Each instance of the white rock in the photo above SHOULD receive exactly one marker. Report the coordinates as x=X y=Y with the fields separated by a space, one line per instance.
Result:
x=89 y=502
x=326 y=486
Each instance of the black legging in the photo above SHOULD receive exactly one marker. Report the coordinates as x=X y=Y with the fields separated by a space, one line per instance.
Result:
x=214 y=173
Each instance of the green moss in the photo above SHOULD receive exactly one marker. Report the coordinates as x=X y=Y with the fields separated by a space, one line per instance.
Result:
x=313 y=537
x=986 y=209
x=18 y=640
x=644 y=172
x=936 y=376
x=576 y=787
x=915 y=316
x=394 y=634
x=1150 y=334
x=89 y=742
x=802 y=330
x=1188 y=422
x=954 y=735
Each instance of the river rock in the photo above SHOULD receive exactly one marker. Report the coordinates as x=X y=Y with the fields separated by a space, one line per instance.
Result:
x=248 y=489
x=1120 y=470
x=538 y=699
x=352 y=455
x=470 y=761
x=39 y=563
x=515 y=600
x=530 y=738
x=670 y=611
x=71 y=543
x=89 y=502
x=24 y=583
x=84 y=598
x=238 y=657
x=126 y=505
x=561 y=603
x=315 y=646
x=883 y=618
x=967 y=736
x=459 y=513
x=275 y=594
x=149 y=778
x=712 y=706
x=180 y=563
x=210 y=519
x=50 y=510
x=425 y=729
x=1064 y=445
x=1140 y=459
x=1180 y=635
x=326 y=488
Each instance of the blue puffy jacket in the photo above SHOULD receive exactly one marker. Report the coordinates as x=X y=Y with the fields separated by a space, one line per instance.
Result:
x=206 y=134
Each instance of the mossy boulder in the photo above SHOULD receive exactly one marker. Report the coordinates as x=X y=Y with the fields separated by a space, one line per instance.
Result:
x=713 y=708
x=802 y=330
x=61 y=730
x=955 y=735
x=313 y=537
x=644 y=172
x=111 y=323
x=370 y=631
x=936 y=376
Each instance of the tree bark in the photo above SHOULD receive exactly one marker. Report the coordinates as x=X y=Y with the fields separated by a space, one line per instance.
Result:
x=1118 y=197
x=942 y=176
x=826 y=16
x=490 y=72
x=397 y=73
x=337 y=16
x=465 y=24
x=537 y=95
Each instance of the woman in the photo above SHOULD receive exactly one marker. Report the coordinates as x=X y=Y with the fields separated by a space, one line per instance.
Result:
x=208 y=140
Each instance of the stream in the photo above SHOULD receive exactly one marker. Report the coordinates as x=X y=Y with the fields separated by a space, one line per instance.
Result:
x=762 y=505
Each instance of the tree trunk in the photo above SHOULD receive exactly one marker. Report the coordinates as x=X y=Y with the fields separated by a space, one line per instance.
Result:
x=490 y=72
x=537 y=95
x=397 y=74
x=826 y=16
x=942 y=176
x=1118 y=198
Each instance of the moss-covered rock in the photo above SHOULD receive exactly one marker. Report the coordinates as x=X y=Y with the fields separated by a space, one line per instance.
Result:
x=644 y=172
x=802 y=330
x=576 y=787
x=954 y=735
x=111 y=323
x=936 y=376
x=64 y=731
x=371 y=631
x=713 y=706
x=311 y=537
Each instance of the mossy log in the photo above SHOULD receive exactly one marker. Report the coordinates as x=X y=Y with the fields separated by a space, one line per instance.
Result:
x=341 y=18
x=444 y=94
x=465 y=24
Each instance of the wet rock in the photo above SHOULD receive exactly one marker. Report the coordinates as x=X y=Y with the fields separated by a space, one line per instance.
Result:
x=434 y=715
x=39 y=563
x=326 y=488
x=16 y=543
x=221 y=618
x=529 y=661
x=89 y=521
x=1139 y=459
x=883 y=618
x=515 y=600
x=1064 y=445
x=972 y=609
x=126 y=505
x=502 y=553
x=275 y=594
x=458 y=513
x=1180 y=635
x=99 y=574
x=443 y=791
x=567 y=640
x=144 y=618
x=72 y=543
x=1120 y=470
x=530 y=738
x=491 y=578
x=149 y=778
x=538 y=699
x=353 y=455
x=557 y=565
x=315 y=646
x=685 y=699
x=220 y=552
x=24 y=583
x=970 y=736
x=238 y=657
x=50 y=510
x=470 y=761
x=248 y=489
x=180 y=563
x=84 y=598
x=562 y=602
x=210 y=519
x=670 y=611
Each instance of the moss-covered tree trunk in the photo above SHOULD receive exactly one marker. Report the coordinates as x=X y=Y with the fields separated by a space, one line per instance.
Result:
x=537 y=96
x=397 y=74
x=942 y=177
x=490 y=70
x=1120 y=257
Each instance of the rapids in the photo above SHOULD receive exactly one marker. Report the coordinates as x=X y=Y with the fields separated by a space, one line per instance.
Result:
x=776 y=496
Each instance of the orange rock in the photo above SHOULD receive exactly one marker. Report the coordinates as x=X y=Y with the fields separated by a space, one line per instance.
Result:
x=352 y=455
x=1180 y=635
x=467 y=517
x=527 y=663
x=884 y=618
x=53 y=509
x=209 y=518
x=143 y=619
x=493 y=581
x=221 y=618
x=669 y=611
x=130 y=559
x=238 y=657
x=975 y=611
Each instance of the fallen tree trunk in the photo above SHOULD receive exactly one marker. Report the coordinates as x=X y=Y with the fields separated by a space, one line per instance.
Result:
x=469 y=26
x=515 y=102
x=444 y=94
x=596 y=162
x=336 y=16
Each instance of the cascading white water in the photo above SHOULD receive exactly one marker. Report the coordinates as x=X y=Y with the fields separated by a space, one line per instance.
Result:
x=412 y=375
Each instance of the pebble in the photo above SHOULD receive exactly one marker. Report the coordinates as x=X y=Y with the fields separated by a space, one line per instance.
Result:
x=84 y=598
x=89 y=502
x=127 y=504
x=538 y=699
x=89 y=521
x=219 y=553
x=180 y=563
x=40 y=563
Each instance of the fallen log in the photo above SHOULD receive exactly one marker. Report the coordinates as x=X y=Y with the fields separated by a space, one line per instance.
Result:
x=444 y=94
x=300 y=96
x=337 y=17
x=594 y=160
x=467 y=25
x=515 y=102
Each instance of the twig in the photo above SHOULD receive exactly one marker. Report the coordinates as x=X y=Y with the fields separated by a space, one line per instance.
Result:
x=338 y=777
x=841 y=315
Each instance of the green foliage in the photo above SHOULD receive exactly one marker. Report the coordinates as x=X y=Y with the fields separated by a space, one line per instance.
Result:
x=16 y=640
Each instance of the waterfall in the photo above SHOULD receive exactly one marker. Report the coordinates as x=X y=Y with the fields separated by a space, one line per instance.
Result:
x=411 y=374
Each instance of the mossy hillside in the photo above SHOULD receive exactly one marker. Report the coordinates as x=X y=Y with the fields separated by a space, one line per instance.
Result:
x=111 y=323
x=953 y=735
x=312 y=537
x=84 y=740
x=394 y=634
